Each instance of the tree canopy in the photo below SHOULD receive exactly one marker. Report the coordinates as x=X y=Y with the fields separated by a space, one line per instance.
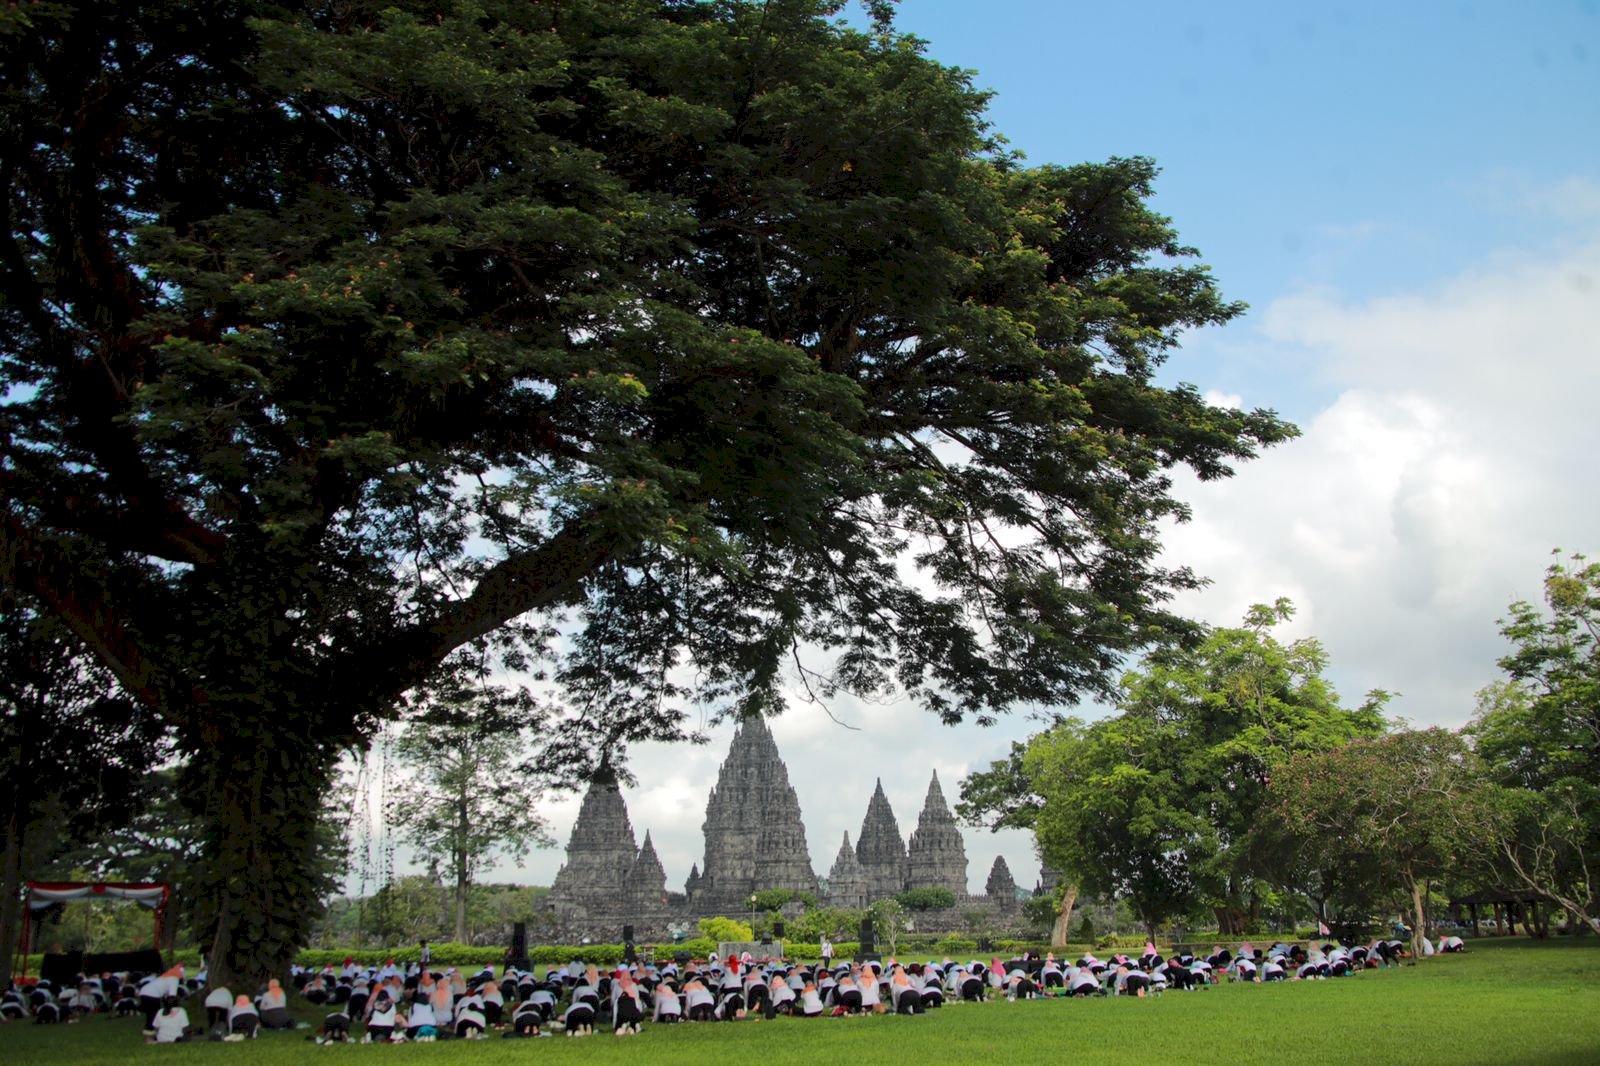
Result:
x=1391 y=811
x=707 y=335
x=1538 y=734
x=1156 y=803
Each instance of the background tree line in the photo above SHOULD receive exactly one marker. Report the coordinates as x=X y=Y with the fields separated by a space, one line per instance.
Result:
x=1230 y=779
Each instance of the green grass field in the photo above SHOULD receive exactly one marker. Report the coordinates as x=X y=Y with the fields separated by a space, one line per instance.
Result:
x=1513 y=1001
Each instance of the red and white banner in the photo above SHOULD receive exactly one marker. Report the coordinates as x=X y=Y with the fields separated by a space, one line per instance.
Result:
x=43 y=893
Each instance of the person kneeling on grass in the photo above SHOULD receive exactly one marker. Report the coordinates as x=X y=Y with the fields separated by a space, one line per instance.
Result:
x=381 y=1021
x=527 y=1021
x=470 y=1022
x=172 y=1023
x=1130 y=983
x=243 y=1020
x=274 y=1007
x=626 y=1009
x=420 y=1014
x=579 y=1019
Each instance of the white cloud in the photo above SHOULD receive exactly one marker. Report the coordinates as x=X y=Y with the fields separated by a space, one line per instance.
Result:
x=1427 y=495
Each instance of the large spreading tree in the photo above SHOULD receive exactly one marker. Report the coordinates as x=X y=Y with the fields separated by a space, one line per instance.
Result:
x=338 y=336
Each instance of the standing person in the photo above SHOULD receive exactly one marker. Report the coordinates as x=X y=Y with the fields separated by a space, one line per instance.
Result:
x=827 y=953
x=424 y=956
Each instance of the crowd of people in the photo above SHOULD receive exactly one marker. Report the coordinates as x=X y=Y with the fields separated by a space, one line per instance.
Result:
x=393 y=1004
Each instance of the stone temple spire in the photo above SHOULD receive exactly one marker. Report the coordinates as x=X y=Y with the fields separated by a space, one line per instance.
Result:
x=1001 y=886
x=880 y=848
x=847 y=882
x=937 y=856
x=646 y=885
x=601 y=850
x=755 y=838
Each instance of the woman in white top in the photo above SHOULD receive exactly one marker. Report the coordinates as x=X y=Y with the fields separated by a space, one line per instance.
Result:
x=172 y=1022
x=420 y=1014
x=871 y=998
x=667 y=1007
x=380 y=1022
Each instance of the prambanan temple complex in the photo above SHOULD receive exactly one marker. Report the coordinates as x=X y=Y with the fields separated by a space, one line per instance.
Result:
x=755 y=839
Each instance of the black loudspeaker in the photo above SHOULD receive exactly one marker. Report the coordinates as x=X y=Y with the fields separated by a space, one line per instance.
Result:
x=868 y=943
x=519 y=940
x=627 y=933
x=777 y=929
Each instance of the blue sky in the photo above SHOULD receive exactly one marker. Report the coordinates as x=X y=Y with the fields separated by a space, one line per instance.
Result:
x=1408 y=196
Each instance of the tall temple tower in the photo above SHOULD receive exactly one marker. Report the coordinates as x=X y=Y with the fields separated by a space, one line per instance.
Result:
x=880 y=849
x=601 y=851
x=937 y=858
x=754 y=836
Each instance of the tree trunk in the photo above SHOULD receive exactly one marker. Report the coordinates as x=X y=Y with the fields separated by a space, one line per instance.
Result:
x=1061 y=929
x=463 y=827
x=255 y=889
x=461 y=908
x=1418 y=914
x=10 y=900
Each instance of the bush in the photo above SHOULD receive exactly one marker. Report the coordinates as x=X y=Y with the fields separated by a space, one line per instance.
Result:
x=464 y=955
x=725 y=929
x=926 y=899
x=955 y=945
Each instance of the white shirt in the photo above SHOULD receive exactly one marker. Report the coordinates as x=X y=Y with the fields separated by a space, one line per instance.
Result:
x=170 y=1025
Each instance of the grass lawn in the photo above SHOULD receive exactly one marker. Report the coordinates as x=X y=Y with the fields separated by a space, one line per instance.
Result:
x=1511 y=1001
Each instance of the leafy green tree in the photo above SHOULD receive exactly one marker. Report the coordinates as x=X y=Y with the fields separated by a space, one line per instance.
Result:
x=1538 y=733
x=1003 y=797
x=335 y=340
x=469 y=802
x=1399 y=807
x=836 y=923
x=888 y=921
x=1234 y=708
x=1156 y=804
x=407 y=909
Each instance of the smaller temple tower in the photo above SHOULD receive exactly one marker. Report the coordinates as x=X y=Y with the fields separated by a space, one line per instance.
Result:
x=1001 y=886
x=847 y=882
x=646 y=884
